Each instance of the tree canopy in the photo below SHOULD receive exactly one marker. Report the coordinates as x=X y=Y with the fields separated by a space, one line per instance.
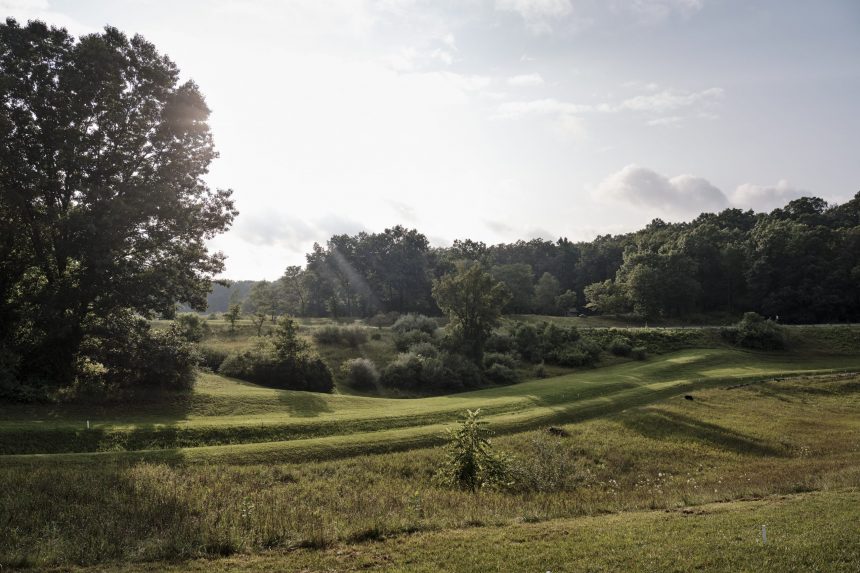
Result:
x=103 y=205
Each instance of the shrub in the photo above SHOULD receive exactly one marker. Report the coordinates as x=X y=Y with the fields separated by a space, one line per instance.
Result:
x=442 y=373
x=540 y=371
x=471 y=463
x=639 y=352
x=375 y=336
x=404 y=372
x=756 y=332
x=352 y=336
x=191 y=327
x=211 y=357
x=380 y=320
x=424 y=349
x=360 y=373
x=620 y=346
x=327 y=334
x=411 y=321
x=501 y=374
x=283 y=361
x=500 y=342
x=123 y=353
x=491 y=358
x=404 y=340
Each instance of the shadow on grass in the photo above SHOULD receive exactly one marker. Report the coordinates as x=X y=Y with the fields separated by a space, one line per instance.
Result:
x=669 y=425
x=304 y=404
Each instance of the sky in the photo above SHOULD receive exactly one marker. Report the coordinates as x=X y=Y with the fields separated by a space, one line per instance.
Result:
x=499 y=120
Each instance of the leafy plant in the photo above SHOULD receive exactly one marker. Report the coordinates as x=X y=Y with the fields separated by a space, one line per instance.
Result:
x=471 y=464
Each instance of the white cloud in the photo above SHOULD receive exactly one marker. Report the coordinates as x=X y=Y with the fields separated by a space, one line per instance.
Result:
x=671 y=120
x=764 y=197
x=656 y=11
x=668 y=100
x=526 y=80
x=538 y=15
x=683 y=195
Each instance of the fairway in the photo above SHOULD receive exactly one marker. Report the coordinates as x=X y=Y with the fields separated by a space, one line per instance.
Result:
x=239 y=422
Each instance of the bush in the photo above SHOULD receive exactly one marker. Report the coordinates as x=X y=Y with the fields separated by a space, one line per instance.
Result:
x=500 y=342
x=211 y=358
x=352 y=336
x=375 y=336
x=498 y=373
x=283 y=361
x=620 y=346
x=409 y=322
x=491 y=358
x=471 y=463
x=404 y=340
x=191 y=327
x=123 y=353
x=424 y=349
x=360 y=373
x=756 y=332
x=327 y=334
x=540 y=371
x=380 y=320
x=639 y=352
x=442 y=373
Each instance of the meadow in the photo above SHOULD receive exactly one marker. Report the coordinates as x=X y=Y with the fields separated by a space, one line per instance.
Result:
x=260 y=479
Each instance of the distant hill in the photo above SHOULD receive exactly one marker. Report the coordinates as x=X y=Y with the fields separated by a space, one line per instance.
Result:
x=219 y=299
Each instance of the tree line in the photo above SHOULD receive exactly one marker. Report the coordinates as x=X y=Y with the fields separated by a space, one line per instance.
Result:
x=800 y=262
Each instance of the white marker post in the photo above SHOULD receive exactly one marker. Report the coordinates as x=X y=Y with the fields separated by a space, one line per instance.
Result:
x=764 y=534
x=88 y=424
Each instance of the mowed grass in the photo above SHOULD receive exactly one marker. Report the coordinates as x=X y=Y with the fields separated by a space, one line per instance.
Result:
x=655 y=468
x=229 y=419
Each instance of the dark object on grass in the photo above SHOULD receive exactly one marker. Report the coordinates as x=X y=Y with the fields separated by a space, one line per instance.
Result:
x=687 y=397
x=561 y=432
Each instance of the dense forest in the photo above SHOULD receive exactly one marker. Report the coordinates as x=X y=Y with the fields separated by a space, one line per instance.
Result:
x=800 y=263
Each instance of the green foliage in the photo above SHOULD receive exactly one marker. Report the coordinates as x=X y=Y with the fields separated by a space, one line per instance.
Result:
x=404 y=340
x=473 y=302
x=519 y=279
x=191 y=327
x=234 y=312
x=471 y=464
x=547 y=291
x=360 y=373
x=444 y=372
x=411 y=321
x=211 y=357
x=499 y=373
x=753 y=331
x=607 y=297
x=383 y=319
x=123 y=354
x=282 y=361
x=352 y=336
x=103 y=199
x=620 y=346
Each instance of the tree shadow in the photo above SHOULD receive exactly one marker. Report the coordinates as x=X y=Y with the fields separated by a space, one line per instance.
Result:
x=304 y=404
x=659 y=424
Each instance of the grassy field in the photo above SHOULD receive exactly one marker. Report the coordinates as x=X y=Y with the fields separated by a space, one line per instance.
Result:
x=654 y=468
x=808 y=532
x=262 y=479
x=229 y=419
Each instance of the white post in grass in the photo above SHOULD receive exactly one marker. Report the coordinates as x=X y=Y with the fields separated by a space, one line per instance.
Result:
x=764 y=533
x=88 y=424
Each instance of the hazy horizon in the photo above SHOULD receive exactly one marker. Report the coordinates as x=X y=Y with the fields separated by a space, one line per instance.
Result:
x=506 y=119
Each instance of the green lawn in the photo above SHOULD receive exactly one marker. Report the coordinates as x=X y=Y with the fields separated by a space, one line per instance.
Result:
x=239 y=421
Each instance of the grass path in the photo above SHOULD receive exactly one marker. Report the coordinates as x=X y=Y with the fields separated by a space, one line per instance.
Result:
x=260 y=424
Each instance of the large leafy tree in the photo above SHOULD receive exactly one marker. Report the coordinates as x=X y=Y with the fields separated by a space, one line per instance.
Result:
x=473 y=301
x=103 y=206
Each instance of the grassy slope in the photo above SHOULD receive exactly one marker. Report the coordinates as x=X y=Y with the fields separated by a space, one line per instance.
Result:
x=226 y=411
x=756 y=441
x=809 y=532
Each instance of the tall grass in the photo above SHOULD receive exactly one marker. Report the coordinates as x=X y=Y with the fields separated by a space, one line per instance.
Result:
x=778 y=437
